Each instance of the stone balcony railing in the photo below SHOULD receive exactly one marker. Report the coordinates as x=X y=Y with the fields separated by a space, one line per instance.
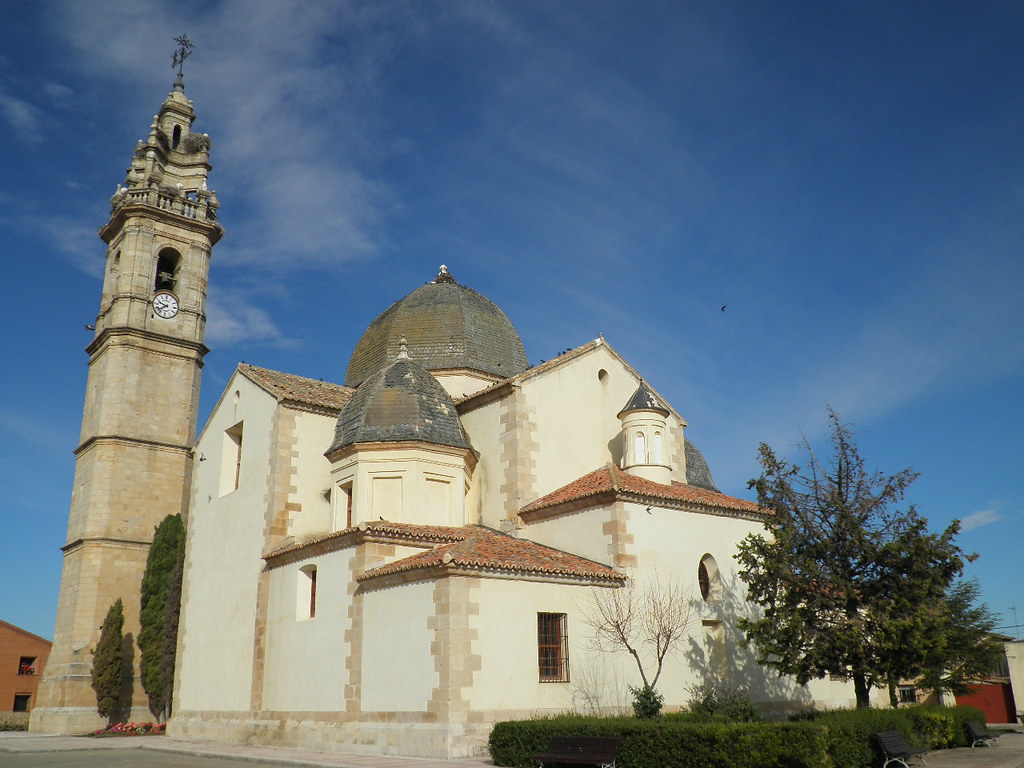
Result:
x=191 y=205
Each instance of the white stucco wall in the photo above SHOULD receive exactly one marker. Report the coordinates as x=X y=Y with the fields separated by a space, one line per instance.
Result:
x=574 y=429
x=313 y=435
x=223 y=554
x=305 y=657
x=398 y=673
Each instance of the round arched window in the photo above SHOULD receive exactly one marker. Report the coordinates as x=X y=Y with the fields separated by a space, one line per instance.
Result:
x=708 y=579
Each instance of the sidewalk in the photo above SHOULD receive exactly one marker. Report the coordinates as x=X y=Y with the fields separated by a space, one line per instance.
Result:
x=21 y=742
x=1009 y=753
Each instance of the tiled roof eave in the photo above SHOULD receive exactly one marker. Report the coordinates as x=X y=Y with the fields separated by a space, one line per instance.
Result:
x=597 y=498
x=690 y=505
x=348 y=537
x=604 y=497
x=423 y=571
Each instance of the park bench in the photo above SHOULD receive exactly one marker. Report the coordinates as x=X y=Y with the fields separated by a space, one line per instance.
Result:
x=896 y=749
x=979 y=735
x=580 y=750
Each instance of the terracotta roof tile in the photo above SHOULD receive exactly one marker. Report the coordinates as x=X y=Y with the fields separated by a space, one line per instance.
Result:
x=485 y=548
x=611 y=483
x=287 y=386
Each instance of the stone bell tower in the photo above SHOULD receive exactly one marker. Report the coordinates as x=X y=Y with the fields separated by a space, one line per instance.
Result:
x=133 y=463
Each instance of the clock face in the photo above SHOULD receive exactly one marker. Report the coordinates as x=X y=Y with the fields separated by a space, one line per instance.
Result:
x=165 y=305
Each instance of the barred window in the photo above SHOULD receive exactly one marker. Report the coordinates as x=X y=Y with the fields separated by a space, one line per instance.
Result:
x=552 y=648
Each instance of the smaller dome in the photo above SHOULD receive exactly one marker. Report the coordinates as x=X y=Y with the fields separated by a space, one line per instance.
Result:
x=400 y=402
x=644 y=400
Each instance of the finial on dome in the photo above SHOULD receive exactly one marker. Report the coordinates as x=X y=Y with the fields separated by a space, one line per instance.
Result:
x=444 y=276
x=403 y=349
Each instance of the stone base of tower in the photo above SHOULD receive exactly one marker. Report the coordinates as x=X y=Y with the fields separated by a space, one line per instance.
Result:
x=330 y=732
x=77 y=720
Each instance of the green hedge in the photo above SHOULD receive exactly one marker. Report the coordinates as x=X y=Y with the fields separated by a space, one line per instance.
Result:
x=931 y=727
x=838 y=739
x=668 y=744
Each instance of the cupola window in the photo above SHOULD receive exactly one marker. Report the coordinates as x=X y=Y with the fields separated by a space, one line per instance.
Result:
x=167 y=264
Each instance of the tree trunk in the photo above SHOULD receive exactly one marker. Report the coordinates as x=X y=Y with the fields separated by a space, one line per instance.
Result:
x=860 y=687
x=893 y=698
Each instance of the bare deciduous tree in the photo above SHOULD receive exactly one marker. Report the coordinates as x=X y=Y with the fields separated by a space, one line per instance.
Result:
x=647 y=622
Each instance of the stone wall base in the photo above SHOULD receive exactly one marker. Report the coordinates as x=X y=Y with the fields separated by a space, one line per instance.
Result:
x=14 y=718
x=77 y=720
x=409 y=739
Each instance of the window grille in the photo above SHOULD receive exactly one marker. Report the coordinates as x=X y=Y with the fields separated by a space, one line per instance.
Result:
x=552 y=648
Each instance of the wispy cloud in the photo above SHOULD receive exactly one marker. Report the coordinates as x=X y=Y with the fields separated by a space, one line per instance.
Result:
x=980 y=518
x=232 y=319
x=22 y=117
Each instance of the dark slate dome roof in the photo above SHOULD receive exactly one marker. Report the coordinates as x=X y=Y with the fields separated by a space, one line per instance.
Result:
x=698 y=472
x=446 y=325
x=401 y=402
x=644 y=400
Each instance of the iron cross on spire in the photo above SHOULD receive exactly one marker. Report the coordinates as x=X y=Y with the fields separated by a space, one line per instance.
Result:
x=184 y=49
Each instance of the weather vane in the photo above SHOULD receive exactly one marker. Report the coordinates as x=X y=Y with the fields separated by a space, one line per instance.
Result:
x=184 y=49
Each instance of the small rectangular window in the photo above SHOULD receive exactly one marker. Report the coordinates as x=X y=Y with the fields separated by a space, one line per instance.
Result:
x=908 y=694
x=22 y=702
x=552 y=648
x=27 y=665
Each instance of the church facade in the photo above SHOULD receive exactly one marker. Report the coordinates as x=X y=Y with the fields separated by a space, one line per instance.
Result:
x=391 y=564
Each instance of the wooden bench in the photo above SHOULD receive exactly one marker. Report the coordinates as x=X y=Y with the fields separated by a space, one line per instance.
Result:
x=580 y=750
x=979 y=735
x=896 y=749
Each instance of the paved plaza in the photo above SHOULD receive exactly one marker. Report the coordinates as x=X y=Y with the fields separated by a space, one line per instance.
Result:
x=25 y=750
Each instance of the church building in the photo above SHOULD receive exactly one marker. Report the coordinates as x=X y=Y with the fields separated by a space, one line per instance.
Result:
x=394 y=563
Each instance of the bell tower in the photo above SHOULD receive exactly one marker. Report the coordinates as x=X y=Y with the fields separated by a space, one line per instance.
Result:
x=133 y=462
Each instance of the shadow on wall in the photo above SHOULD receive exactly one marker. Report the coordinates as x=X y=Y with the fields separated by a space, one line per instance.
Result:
x=123 y=711
x=715 y=653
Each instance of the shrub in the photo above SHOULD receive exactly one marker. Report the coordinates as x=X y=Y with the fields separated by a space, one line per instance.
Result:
x=646 y=702
x=717 y=701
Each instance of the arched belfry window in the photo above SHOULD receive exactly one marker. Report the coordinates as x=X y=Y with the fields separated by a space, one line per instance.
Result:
x=167 y=264
x=176 y=137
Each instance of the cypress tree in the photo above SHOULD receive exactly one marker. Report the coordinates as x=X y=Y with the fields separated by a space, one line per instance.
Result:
x=107 y=661
x=169 y=647
x=163 y=554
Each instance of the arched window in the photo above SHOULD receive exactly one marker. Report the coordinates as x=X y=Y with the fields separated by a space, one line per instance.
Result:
x=639 y=449
x=657 y=449
x=176 y=137
x=709 y=579
x=167 y=263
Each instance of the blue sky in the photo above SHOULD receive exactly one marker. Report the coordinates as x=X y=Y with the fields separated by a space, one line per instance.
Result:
x=845 y=177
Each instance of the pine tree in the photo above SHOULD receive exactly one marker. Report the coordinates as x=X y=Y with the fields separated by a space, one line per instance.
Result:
x=163 y=554
x=846 y=584
x=107 y=662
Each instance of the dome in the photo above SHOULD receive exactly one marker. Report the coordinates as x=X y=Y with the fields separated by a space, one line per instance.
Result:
x=446 y=326
x=401 y=402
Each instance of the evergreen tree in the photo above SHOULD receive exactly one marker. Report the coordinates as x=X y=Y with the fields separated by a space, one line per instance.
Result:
x=172 y=611
x=107 y=662
x=966 y=650
x=163 y=554
x=846 y=583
